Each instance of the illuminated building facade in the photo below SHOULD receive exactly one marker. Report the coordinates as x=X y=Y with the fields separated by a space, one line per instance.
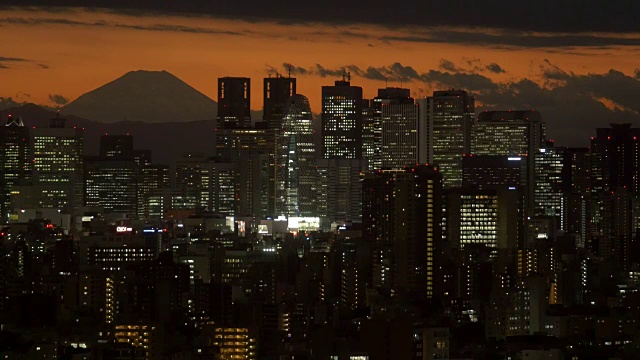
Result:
x=57 y=157
x=400 y=129
x=111 y=184
x=295 y=161
x=137 y=336
x=342 y=121
x=15 y=161
x=551 y=167
x=235 y=343
x=448 y=118
x=487 y=218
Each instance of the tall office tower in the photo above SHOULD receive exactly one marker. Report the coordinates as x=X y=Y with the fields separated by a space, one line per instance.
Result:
x=111 y=184
x=580 y=170
x=615 y=154
x=402 y=211
x=15 y=161
x=511 y=133
x=295 y=161
x=400 y=129
x=252 y=151
x=370 y=136
x=551 y=167
x=234 y=102
x=211 y=183
x=340 y=189
x=151 y=177
x=277 y=90
x=342 y=121
x=449 y=117
x=57 y=157
x=111 y=179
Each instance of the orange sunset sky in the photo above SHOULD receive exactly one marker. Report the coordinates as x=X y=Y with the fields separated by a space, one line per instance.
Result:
x=72 y=51
x=81 y=57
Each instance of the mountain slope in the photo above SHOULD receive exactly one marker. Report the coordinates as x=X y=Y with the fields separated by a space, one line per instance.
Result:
x=146 y=96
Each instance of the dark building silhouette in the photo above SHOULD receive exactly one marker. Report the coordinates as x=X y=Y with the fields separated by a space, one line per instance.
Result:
x=15 y=161
x=116 y=146
x=234 y=102
x=277 y=90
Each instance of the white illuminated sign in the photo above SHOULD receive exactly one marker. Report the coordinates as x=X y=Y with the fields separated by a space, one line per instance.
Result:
x=121 y=229
x=515 y=158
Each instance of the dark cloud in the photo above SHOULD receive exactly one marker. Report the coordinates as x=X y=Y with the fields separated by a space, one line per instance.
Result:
x=155 y=27
x=447 y=65
x=43 y=66
x=58 y=99
x=495 y=68
x=541 y=15
x=12 y=59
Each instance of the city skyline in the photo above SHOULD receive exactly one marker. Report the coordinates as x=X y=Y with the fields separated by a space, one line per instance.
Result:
x=528 y=69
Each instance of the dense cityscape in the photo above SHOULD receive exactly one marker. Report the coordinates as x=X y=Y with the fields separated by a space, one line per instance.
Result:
x=403 y=229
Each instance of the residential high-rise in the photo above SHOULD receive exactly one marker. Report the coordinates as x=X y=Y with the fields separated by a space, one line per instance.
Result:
x=234 y=102
x=402 y=213
x=448 y=116
x=295 y=161
x=15 y=161
x=57 y=158
x=342 y=121
x=277 y=90
x=511 y=133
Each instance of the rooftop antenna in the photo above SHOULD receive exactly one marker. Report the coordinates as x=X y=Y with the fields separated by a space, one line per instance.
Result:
x=401 y=82
x=344 y=75
x=386 y=81
x=349 y=76
x=289 y=71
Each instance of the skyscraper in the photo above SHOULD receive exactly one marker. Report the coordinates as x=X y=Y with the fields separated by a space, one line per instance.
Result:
x=511 y=133
x=551 y=164
x=402 y=212
x=342 y=121
x=111 y=183
x=57 y=157
x=295 y=173
x=340 y=189
x=448 y=117
x=615 y=158
x=399 y=128
x=15 y=161
x=277 y=90
x=234 y=102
